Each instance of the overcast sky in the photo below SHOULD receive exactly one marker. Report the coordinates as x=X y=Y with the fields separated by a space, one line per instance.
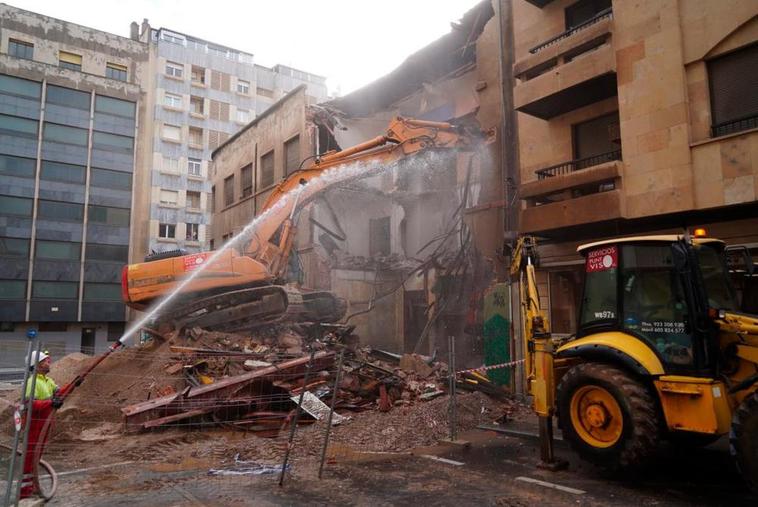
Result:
x=351 y=42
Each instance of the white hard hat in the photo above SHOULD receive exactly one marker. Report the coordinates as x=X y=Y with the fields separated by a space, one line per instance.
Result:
x=34 y=358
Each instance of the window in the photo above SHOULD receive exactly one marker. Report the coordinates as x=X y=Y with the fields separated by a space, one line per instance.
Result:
x=599 y=303
x=64 y=134
x=55 y=290
x=193 y=231
x=220 y=81
x=171 y=100
x=113 y=253
x=596 y=141
x=171 y=132
x=654 y=306
x=379 y=236
x=118 y=217
x=584 y=10
x=267 y=169
x=243 y=87
x=21 y=87
x=194 y=167
x=169 y=197
x=19 y=127
x=16 y=166
x=57 y=171
x=102 y=292
x=167 y=231
x=216 y=138
x=14 y=247
x=292 y=155
x=229 y=190
x=196 y=136
x=196 y=105
x=246 y=180
x=170 y=165
x=243 y=115
x=733 y=79
x=112 y=142
x=115 y=71
x=57 y=250
x=116 y=331
x=193 y=199
x=15 y=206
x=219 y=110
x=198 y=75
x=21 y=49
x=68 y=97
x=173 y=38
x=12 y=289
x=60 y=211
x=117 y=107
x=175 y=70
x=104 y=178
x=69 y=60
x=265 y=92
x=213 y=199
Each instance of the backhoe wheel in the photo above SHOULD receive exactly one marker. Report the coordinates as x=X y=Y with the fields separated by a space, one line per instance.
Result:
x=609 y=417
x=743 y=439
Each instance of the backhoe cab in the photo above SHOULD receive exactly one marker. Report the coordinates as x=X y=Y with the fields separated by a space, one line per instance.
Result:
x=661 y=351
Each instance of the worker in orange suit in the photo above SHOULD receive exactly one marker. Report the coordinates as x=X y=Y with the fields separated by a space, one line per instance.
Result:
x=45 y=400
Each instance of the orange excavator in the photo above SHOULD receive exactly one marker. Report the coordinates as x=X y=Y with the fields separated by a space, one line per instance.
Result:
x=245 y=286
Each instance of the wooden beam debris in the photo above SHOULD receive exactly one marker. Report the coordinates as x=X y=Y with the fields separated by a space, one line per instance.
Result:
x=197 y=400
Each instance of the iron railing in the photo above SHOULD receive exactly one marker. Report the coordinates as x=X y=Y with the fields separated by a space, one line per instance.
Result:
x=606 y=13
x=733 y=126
x=577 y=165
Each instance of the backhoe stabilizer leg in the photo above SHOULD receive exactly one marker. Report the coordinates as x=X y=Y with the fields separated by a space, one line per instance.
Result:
x=548 y=460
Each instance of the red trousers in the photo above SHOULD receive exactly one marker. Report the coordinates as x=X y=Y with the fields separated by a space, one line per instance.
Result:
x=41 y=412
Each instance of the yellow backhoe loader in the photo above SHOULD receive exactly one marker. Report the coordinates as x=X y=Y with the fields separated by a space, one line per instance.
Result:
x=660 y=351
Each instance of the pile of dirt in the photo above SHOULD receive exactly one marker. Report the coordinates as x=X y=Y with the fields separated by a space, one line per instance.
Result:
x=126 y=376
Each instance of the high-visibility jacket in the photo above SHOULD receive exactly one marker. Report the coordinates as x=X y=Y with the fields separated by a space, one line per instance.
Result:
x=44 y=388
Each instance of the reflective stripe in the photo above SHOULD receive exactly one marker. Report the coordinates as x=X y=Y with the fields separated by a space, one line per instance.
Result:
x=43 y=388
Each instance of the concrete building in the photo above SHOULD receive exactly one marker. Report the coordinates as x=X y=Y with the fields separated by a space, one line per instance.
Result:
x=633 y=117
x=71 y=102
x=201 y=93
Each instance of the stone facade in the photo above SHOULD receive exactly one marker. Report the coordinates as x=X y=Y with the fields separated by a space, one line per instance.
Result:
x=662 y=75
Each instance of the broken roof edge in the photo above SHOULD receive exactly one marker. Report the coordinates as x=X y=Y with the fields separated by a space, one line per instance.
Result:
x=74 y=23
x=407 y=77
x=274 y=107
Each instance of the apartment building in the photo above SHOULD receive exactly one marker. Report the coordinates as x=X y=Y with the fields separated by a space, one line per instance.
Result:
x=633 y=118
x=201 y=94
x=70 y=108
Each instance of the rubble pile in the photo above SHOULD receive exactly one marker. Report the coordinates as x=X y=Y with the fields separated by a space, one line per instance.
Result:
x=252 y=382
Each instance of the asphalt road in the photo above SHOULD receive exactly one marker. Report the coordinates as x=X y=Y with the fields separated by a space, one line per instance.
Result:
x=494 y=470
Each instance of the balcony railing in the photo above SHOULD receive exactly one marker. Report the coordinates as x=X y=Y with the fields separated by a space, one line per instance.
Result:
x=607 y=13
x=733 y=126
x=577 y=165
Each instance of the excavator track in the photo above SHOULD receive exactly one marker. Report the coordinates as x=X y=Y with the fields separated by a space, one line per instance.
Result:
x=252 y=308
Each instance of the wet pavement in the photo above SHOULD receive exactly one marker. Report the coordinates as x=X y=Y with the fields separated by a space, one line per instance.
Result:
x=494 y=470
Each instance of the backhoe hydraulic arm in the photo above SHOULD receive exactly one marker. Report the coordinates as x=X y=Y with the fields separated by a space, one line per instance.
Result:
x=538 y=346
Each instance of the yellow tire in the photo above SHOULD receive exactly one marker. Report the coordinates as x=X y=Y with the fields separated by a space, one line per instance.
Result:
x=609 y=417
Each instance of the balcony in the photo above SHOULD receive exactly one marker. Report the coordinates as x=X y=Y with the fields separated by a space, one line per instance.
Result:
x=577 y=192
x=577 y=165
x=734 y=126
x=571 y=70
